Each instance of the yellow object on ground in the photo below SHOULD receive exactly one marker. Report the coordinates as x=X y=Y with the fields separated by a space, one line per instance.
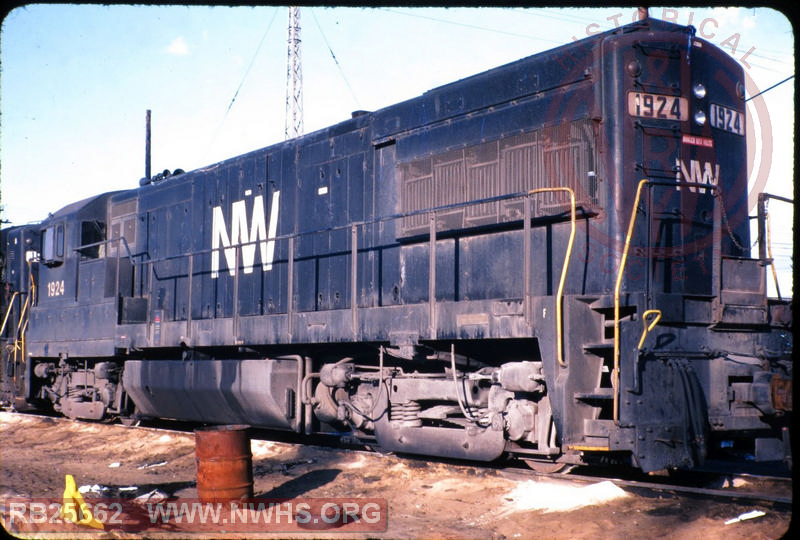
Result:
x=75 y=508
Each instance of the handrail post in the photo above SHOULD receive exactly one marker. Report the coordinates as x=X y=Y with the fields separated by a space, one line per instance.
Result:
x=432 y=277
x=290 y=291
x=526 y=253
x=116 y=278
x=189 y=298
x=151 y=288
x=716 y=248
x=772 y=262
x=563 y=279
x=236 y=251
x=764 y=240
x=354 y=278
x=649 y=259
x=762 y=220
x=8 y=312
x=617 y=287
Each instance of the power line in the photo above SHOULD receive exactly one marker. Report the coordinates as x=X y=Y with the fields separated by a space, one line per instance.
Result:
x=247 y=71
x=541 y=13
x=250 y=65
x=552 y=14
x=771 y=87
x=471 y=26
x=335 y=60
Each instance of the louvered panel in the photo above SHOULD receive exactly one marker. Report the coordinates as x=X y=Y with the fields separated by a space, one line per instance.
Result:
x=563 y=155
x=417 y=195
x=482 y=184
x=449 y=180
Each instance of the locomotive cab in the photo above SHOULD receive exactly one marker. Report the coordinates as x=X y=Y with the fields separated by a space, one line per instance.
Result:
x=73 y=316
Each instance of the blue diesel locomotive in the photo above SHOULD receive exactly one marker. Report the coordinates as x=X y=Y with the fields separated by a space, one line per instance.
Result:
x=550 y=260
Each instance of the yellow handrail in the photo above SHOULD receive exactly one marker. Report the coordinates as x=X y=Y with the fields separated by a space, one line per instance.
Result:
x=764 y=236
x=648 y=327
x=772 y=261
x=617 y=287
x=22 y=319
x=8 y=313
x=568 y=254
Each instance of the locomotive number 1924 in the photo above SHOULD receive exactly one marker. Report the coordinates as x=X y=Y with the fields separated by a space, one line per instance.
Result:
x=726 y=119
x=55 y=288
x=658 y=106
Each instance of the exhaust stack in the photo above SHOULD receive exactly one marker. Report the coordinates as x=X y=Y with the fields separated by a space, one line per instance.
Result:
x=147 y=147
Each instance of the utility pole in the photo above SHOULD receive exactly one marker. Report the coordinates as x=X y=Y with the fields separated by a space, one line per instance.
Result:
x=294 y=78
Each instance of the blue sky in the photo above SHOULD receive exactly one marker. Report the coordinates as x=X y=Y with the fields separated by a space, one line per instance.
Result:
x=76 y=80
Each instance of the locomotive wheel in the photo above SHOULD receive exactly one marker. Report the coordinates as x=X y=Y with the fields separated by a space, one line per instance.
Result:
x=548 y=467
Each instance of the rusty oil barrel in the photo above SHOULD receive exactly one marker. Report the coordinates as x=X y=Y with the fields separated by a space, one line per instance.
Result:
x=224 y=463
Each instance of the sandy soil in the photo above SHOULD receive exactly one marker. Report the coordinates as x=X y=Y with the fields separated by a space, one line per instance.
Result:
x=425 y=499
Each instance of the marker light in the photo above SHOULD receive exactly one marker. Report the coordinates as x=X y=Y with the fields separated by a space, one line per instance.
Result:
x=699 y=91
x=700 y=118
x=740 y=90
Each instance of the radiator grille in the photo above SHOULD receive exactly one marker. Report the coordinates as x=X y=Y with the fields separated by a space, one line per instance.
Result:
x=562 y=155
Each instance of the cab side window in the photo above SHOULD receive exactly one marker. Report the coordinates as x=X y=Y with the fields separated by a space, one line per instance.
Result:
x=93 y=235
x=53 y=245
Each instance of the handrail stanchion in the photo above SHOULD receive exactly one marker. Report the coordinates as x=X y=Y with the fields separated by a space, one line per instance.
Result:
x=526 y=253
x=764 y=239
x=564 y=268
x=116 y=277
x=290 y=291
x=236 y=255
x=432 y=277
x=354 y=278
x=623 y=261
x=617 y=287
x=8 y=312
x=150 y=285
x=189 y=299
x=772 y=262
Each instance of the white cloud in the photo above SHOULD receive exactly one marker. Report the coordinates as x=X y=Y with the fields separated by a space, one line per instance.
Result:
x=178 y=47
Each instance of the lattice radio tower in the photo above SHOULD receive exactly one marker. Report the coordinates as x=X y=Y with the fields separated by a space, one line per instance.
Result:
x=294 y=78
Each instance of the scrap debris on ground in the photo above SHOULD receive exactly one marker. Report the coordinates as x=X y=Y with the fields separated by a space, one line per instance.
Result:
x=426 y=499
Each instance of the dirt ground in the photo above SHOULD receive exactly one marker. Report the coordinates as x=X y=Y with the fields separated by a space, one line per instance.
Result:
x=425 y=499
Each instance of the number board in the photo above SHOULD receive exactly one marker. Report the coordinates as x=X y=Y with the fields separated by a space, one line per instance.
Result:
x=658 y=106
x=726 y=119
